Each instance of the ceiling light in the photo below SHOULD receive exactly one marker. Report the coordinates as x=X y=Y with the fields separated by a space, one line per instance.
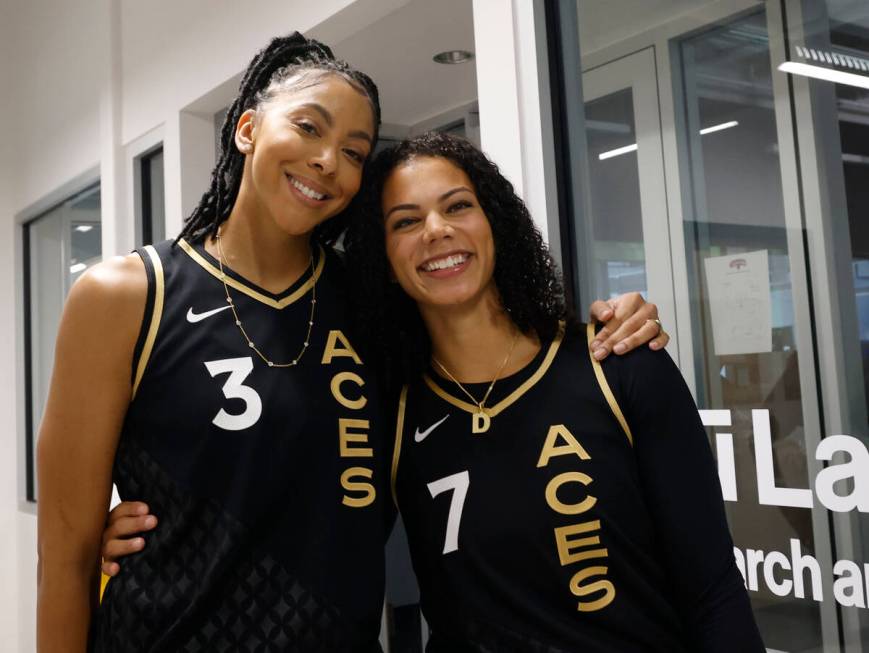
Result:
x=84 y=228
x=453 y=56
x=632 y=148
x=718 y=128
x=827 y=74
x=616 y=152
x=77 y=267
x=837 y=58
x=855 y=158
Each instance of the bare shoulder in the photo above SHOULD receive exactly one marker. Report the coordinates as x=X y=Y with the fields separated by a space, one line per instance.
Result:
x=108 y=300
x=117 y=278
x=117 y=283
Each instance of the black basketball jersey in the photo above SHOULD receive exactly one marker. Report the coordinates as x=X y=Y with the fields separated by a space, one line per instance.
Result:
x=269 y=483
x=582 y=513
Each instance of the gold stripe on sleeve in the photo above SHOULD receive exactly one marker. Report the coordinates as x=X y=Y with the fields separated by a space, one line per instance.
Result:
x=605 y=387
x=396 y=452
x=104 y=581
x=156 y=315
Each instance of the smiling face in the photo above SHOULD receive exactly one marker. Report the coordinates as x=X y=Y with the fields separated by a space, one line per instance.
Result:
x=305 y=150
x=438 y=239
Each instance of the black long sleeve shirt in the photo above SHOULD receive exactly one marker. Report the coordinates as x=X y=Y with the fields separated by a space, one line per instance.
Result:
x=558 y=528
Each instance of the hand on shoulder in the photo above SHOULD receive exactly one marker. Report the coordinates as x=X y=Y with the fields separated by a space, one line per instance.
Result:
x=629 y=321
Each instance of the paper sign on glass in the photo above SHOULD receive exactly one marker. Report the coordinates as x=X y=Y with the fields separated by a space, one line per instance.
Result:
x=740 y=302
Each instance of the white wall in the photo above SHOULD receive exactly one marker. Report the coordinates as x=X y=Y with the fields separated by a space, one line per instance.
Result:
x=49 y=109
x=208 y=41
x=55 y=88
x=8 y=451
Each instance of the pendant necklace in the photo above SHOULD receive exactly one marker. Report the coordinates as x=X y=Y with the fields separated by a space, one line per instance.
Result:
x=238 y=323
x=480 y=419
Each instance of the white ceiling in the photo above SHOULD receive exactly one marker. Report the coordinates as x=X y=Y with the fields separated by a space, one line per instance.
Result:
x=397 y=52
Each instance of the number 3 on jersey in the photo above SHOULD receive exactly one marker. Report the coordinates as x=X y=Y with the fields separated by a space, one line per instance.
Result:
x=238 y=370
x=458 y=483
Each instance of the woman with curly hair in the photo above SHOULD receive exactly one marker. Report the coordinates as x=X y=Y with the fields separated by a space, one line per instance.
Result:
x=551 y=503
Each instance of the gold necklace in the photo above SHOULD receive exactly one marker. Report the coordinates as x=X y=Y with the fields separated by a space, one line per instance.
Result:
x=238 y=323
x=480 y=421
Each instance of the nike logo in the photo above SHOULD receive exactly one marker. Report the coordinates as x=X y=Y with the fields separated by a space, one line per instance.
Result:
x=419 y=436
x=198 y=317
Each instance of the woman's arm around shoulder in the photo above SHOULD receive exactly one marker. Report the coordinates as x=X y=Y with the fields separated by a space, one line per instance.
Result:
x=87 y=400
x=683 y=493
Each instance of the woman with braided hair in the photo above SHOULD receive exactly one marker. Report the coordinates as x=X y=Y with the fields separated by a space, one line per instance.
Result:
x=216 y=378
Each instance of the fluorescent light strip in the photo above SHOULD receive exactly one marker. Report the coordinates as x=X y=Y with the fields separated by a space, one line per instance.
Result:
x=718 y=128
x=616 y=152
x=826 y=74
x=77 y=267
x=840 y=59
x=84 y=228
x=855 y=158
x=632 y=148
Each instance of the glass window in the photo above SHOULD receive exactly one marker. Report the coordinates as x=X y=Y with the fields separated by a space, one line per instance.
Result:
x=219 y=119
x=617 y=249
x=59 y=246
x=737 y=248
x=152 y=197
x=755 y=116
x=829 y=63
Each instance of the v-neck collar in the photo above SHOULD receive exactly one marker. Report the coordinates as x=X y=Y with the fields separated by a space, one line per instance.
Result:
x=535 y=376
x=280 y=300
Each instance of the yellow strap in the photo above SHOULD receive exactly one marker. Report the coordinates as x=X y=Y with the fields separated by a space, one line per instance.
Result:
x=605 y=387
x=396 y=452
x=104 y=580
x=156 y=316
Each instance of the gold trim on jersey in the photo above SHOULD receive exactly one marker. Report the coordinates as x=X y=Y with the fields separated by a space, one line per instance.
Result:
x=605 y=387
x=396 y=452
x=104 y=581
x=247 y=290
x=514 y=396
x=156 y=315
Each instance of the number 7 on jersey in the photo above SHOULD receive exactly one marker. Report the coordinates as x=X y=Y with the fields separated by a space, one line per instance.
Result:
x=458 y=483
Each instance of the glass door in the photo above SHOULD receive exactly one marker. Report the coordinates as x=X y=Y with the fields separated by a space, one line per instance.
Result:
x=757 y=206
x=748 y=302
x=60 y=245
x=627 y=234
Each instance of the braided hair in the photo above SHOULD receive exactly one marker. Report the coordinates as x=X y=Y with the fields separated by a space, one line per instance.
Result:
x=287 y=62
x=528 y=281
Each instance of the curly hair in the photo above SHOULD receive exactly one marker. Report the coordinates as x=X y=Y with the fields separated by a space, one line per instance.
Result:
x=286 y=63
x=526 y=277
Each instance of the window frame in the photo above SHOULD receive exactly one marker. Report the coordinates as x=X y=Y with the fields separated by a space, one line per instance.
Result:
x=142 y=187
x=26 y=426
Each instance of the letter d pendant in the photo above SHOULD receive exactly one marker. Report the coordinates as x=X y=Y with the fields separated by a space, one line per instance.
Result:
x=480 y=421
